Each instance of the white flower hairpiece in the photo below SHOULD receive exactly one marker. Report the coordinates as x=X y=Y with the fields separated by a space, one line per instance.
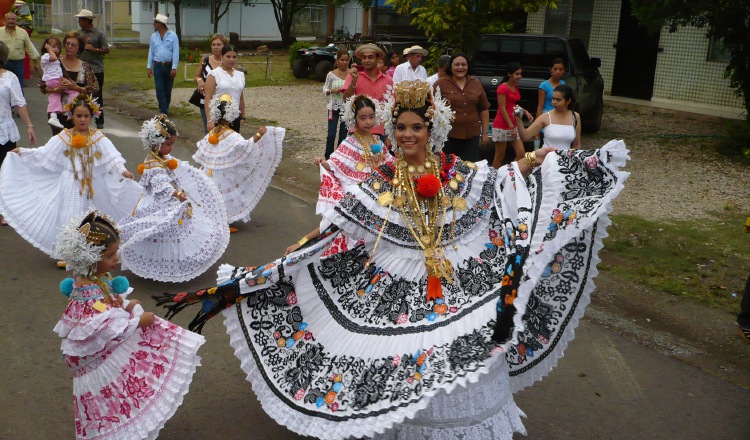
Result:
x=231 y=109
x=413 y=94
x=73 y=247
x=349 y=116
x=154 y=131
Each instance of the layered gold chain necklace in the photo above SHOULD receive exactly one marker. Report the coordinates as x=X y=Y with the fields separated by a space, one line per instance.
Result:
x=370 y=158
x=82 y=152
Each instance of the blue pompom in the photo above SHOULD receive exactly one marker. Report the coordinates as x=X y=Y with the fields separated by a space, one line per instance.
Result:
x=66 y=286
x=376 y=148
x=120 y=284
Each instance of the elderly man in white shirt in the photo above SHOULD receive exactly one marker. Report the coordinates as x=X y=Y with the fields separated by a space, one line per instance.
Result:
x=411 y=70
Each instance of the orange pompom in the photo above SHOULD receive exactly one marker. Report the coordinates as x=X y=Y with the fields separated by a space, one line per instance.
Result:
x=78 y=141
x=172 y=163
x=213 y=139
x=428 y=186
x=141 y=167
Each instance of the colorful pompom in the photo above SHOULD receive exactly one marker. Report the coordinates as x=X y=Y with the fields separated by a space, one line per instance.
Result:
x=376 y=148
x=66 y=286
x=78 y=141
x=213 y=139
x=120 y=284
x=428 y=186
x=141 y=167
x=172 y=164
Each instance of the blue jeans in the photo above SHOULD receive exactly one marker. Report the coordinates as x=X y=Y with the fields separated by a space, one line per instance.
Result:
x=163 y=82
x=15 y=66
x=333 y=122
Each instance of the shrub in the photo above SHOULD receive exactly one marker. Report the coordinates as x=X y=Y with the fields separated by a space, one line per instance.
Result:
x=297 y=45
x=190 y=55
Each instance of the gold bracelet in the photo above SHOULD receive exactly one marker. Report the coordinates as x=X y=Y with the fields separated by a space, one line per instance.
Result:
x=531 y=160
x=303 y=240
x=259 y=135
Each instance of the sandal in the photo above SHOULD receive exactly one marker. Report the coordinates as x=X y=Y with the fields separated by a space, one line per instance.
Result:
x=61 y=264
x=232 y=230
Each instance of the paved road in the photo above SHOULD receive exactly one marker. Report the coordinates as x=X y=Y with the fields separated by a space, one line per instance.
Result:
x=607 y=387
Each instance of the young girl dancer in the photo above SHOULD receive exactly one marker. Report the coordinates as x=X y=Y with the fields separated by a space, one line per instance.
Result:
x=352 y=162
x=52 y=76
x=41 y=189
x=130 y=368
x=241 y=168
x=179 y=228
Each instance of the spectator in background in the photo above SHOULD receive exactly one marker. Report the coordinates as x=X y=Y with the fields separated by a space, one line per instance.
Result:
x=411 y=69
x=442 y=63
x=163 y=58
x=209 y=64
x=93 y=53
x=546 y=88
x=469 y=101
x=743 y=318
x=370 y=81
x=332 y=89
x=392 y=60
x=19 y=44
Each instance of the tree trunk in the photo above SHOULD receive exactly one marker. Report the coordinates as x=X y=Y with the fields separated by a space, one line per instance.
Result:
x=330 y=18
x=177 y=24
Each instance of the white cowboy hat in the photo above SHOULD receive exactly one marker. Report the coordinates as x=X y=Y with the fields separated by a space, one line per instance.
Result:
x=371 y=47
x=163 y=19
x=415 y=49
x=85 y=13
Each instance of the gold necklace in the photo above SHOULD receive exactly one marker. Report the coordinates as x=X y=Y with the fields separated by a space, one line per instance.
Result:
x=369 y=159
x=81 y=152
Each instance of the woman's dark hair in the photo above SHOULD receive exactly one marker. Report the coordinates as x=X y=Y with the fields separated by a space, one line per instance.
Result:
x=80 y=102
x=558 y=61
x=449 y=69
x=104 y=226
x=228 y=48
x=169 y=126
x=47 y=40
x=361 y=102
x=512 y=68
x=222 y=111
x=3 y=54
x=388 y=56
x=77 y=36
x=341 y=53
x=567 y=93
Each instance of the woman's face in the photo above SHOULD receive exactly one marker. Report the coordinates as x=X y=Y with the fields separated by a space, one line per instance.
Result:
x=515 y=77
x=166 y=147
x=216 y=46
x=229 y=60
x=110 y=259
x=559 y=102
x=71 y=46
x=412 y=136
x=81 y=118
x=557 y=71
x=395 y=59
x=343 y=62
x=460 y=67
x=365 y=120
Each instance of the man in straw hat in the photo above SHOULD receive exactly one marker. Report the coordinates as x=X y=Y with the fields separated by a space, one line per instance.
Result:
x=411 y=69
x=163 y=57
x=370 y=81
x=93 y=53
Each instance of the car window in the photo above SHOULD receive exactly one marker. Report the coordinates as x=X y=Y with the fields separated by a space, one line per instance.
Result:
x=533 y=51
x=486 y=53
x=510 y=50
x=579 y=53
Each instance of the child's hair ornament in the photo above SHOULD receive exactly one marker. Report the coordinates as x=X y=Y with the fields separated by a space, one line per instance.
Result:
x=154 y=131
x=231 y=108
x=79 y=246
x=96 y=109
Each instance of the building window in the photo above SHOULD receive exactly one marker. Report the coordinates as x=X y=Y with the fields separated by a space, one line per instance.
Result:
x=716 y=50
x=195 y=4
x=571 y=18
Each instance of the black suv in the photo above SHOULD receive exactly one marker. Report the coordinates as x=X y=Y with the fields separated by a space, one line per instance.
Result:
x=535 y=53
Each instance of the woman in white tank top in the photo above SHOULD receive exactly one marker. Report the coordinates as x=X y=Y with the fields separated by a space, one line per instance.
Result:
x=562 y=128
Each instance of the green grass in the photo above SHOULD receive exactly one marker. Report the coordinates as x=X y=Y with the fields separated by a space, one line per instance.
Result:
x=705 y=261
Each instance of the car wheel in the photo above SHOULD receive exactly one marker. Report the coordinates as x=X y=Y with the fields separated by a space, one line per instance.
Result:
x=301 y=68
x=593 y=121
x=322 y=69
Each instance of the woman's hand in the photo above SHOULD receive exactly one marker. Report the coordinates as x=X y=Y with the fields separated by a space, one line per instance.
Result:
x=16 y=150
x=32 y=136
x=146 y=320
x=291 y=249
x=128 y=175
x=528 y=115
x=262 y=130
x=65 y=84
x=133 y=303
x=542 y=153
x=181 y=196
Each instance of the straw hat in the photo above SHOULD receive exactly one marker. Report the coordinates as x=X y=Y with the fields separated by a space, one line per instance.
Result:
x=85 y=13
x=369 y=46
x=163 y=19
x=415 y=49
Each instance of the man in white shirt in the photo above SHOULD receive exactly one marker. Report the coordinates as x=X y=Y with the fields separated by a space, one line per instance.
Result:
x=442 y=64
x=411 y=70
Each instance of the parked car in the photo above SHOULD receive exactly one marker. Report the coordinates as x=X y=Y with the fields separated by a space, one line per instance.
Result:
x=535 y=53
x=318 y=60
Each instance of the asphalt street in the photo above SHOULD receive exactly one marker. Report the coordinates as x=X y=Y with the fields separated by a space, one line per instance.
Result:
x=606 y=387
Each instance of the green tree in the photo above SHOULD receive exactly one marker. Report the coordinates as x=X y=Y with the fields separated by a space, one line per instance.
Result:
x=460 y=22
x=728 y=20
